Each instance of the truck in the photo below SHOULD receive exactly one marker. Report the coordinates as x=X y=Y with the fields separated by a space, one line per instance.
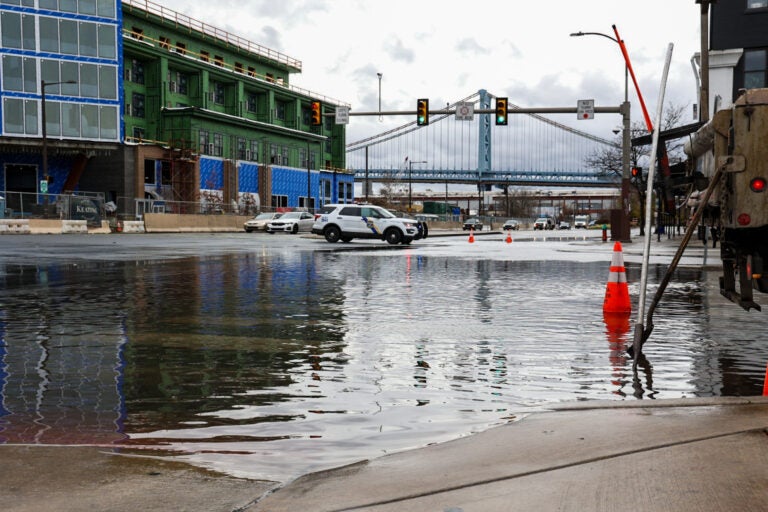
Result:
x=581 y=221
x=731 y=153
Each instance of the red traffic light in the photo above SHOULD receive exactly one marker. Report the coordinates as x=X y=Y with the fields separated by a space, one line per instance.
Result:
x=316 y=117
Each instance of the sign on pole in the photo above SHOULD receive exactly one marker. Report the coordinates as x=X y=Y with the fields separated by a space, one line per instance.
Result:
x=342 y=115
x=465 y=111
x=43 y=186
x=585 y=109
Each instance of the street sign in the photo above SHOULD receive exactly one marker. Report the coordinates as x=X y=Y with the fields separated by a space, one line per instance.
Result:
x=585 y=109
x=465 y=111
x=43 y=186
x=342 y=115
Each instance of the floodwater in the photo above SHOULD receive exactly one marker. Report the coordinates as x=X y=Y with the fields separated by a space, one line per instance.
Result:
x=270 y=365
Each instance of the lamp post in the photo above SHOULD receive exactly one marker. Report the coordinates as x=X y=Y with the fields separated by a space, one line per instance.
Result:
x=623 y=231
x=381 y=118
x=410 y=179
x=43 y=85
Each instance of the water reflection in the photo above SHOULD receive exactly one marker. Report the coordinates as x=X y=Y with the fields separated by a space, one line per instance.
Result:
x=271 y=365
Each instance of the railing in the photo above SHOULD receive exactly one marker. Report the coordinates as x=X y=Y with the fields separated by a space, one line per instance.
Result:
x=89 y=206
x=133 y=208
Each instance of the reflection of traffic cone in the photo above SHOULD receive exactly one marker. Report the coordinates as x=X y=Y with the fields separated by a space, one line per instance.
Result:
x=616 y=329
x=471 y=235
x=617 y=291
x=509 y=236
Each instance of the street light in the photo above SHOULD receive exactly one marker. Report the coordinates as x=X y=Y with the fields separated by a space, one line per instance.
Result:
x=381 y=118
x=43 y=85
x=623 y=231
x=410 y=180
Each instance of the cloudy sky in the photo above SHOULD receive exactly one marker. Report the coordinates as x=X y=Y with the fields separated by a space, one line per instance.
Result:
x=448 y=50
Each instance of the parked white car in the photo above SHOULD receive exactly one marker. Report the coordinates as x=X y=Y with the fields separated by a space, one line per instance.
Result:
x=259 y=222
x=292 y=222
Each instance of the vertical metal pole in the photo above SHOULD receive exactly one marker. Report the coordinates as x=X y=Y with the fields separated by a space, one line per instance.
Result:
x=45 y=132
x=367 y=183
x=309 y=177
x=410 y=170
x=704 y=93
x=381 y=118
x=625 y=172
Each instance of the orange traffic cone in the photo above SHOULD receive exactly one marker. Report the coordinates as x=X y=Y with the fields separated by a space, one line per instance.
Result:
x=765 y=382
x=471 y=235
x=509 y=236
x=617 y=291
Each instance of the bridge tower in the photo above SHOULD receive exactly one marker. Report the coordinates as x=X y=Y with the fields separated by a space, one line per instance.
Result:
x=484 y=136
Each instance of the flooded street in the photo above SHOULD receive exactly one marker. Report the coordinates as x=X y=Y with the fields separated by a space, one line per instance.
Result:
x=282 y=357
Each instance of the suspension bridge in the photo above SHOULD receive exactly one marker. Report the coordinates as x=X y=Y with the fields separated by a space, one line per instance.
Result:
x=533 y=150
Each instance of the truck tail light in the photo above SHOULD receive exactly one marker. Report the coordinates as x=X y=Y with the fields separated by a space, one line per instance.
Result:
x=757 y=184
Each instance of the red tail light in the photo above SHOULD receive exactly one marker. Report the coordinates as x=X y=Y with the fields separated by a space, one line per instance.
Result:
x=757 y=184
x=744 y=219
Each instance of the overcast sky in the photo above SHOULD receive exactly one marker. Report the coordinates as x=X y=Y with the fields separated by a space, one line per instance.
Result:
x=448 y=50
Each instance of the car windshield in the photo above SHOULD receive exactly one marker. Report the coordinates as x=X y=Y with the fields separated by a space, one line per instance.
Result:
x=265 y=216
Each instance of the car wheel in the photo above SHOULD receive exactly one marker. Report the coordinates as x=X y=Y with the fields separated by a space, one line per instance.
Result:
x=332 y=234
x=295 y=229
x=393 y=236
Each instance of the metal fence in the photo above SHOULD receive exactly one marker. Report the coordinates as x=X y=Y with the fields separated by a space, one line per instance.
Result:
x=88 y=206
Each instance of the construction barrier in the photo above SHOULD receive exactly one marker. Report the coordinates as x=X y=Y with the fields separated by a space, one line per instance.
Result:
x=15 y=226
x=133 y=226
x=74 y=226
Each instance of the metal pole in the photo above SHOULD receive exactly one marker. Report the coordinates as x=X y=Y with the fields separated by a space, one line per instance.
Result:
x=45 y=132
x=309 y=176
x=381 y=118
x=367 y=183
x=410 y=170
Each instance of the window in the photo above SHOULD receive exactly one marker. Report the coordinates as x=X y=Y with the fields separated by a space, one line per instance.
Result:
x=218 y=93
x=241 y=149
x=165 y=43
x=53 y=118
x=107 y=41
x=20 y=116
x=205 y=140
x=306 y=114
x=138 y=133
x=88 y=39
x=757 y=4
x=279 y=201
x=205 y=56
x=303 y=157
x=89 y=80
x=181 y=83
x=137 y=105
x=218 y=144
x=49 y=34
x=136 y=72
x=68 y=37
x=250 y=103
x=137 y=33
x=284 y=155
x=251 y=71
x=218 y=60
x=10 y=24
x=181 y=48
x=755 y=68
x=239 y=67
x=274 y=155
x=108 y=82
x=303 y=202
x=280 y=110
x=106 y=8
x=254 y=150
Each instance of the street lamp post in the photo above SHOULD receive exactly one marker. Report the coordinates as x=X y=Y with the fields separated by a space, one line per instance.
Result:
x=410 y=179
x=381 y=118
x=43 y=85
x=623 y=231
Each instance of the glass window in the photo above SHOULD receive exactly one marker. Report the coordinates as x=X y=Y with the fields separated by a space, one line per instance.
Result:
x=757 y=4
x=13 y=115
x=137 y=102
x=755 y=64
x=87 y=7
x=182 y=83
x=108 y=82
x=241 y=147
x=90 y=119
x=204 y=141
x=107 y=42
x=48 y=4
x=49 y=34
x=70 y=71
x=30 y=74
x=88 y=40
x=108 y=122
x=68 y=37
x=254 y=150
x=68 y=5
x=49 y=71
x=53 y=118
x=250 y=103
x=280 y=110
x=70 y=120
x=218 y=144
x=218 y=93
x=12 y=73
x=28 y=31
x=106 y=8
x=137 y=76
x=10 y=24
x=30 y=117
x=89 y=81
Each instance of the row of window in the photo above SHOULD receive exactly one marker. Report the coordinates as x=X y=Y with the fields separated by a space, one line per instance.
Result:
x=88 y=80
x=58 y=35
x=103 y=8
x=63 y=119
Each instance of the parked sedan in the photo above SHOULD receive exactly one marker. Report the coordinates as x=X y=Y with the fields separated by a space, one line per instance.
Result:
x=292 y=222
x=259 y=222
x=511 y=224
x=472 y=223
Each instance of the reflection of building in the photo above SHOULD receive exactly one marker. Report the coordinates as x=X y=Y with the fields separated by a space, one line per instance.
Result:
x=158 y=105
x=58 y=383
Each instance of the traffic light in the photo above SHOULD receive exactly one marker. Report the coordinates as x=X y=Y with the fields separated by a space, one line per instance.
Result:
x=501 y=111
x=422 y=112
x=316 y=117
x=637 y=174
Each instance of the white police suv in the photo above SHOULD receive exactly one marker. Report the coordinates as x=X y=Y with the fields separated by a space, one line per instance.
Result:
x=347 y=221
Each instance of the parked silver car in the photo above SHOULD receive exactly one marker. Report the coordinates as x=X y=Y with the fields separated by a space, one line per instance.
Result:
x=259 y=222
x=511 y=224
x=292 y=222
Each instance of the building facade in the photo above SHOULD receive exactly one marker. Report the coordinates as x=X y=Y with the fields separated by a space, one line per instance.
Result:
x=145 y=104
x=738 y=49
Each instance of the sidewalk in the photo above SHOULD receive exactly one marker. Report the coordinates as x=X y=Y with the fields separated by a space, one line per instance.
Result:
x=677 y=455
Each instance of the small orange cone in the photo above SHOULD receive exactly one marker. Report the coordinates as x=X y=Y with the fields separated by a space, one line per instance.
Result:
x=471 y=235
x=509 y=236
x=617 y=291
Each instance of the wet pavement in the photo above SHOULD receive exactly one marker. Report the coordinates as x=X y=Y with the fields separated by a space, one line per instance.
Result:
x=264 y=357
